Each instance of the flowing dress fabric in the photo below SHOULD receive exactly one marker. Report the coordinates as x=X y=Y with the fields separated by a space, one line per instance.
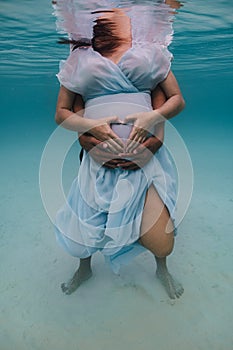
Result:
x=104 y=206
x=151 y=23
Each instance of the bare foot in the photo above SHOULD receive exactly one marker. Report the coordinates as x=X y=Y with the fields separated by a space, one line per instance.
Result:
x=172 y=287
x=81 y=275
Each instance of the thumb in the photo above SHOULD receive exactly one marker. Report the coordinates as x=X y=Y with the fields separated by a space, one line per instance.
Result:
x=110 y=120
x=130 y=118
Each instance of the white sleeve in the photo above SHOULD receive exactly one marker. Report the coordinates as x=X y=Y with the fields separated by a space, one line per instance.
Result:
x=160 y=64
x=67 y=75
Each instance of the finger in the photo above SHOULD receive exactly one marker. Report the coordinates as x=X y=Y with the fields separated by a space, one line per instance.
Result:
x=88 y=142
x=130 y=118
x=139 y=149
x=132 y=166
x=97 y=152
x=112 y=119
x=133 y=133
x=136 y=133
x=116 y=138
x=100 y=157
x=131 y=138
x=124 y=164
x=102 y=160
x=120 y=144
x=113 y=146
x=105 y=146
x=109 y=146
x=135 y=164
x=145 y=145
x=106 y=150
x=90 y=138
x=113 y=163
x=129 y=146
x=138 y=139
x=126 y=155
x=146 y=142
x=110 y=166
x=133 y=145
x=105 y=132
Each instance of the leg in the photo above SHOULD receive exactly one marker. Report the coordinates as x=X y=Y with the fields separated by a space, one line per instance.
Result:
x=83 y=273
x=173 y=288
x=157 y=236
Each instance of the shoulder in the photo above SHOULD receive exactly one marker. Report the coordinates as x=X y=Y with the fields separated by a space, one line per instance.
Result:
x=73 y=60
x=153 y=50
x=76 y=53
x=161 y=50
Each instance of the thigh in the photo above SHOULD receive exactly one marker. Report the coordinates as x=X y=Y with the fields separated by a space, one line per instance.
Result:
x=157 y=230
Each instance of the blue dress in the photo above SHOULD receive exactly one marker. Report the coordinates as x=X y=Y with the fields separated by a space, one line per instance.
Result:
x=103 y=211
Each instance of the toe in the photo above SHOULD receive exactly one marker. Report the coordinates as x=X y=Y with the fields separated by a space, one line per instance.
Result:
x=68 y=291
x=179 y=292
x=63 y=286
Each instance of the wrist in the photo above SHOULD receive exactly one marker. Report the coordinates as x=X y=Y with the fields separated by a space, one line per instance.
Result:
x=156 y=117
x=89 y=124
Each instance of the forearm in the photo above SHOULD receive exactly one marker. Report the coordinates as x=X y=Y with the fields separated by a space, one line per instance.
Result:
x=69 y=111
x=169 y=109
x=173 y=106
x=72 y=121
x=174 y=102
x=159 y=134
x=158 y=98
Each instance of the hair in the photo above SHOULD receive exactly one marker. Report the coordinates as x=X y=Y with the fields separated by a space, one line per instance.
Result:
x=104 y=40
x=82 y=42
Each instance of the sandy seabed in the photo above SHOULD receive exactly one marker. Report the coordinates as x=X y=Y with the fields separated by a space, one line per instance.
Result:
x=109 y=311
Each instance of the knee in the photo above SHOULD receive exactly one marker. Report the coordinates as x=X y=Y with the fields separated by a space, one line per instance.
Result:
x=163 y=252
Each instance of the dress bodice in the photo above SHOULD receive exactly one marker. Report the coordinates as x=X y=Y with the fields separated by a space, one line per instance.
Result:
x=140 y=69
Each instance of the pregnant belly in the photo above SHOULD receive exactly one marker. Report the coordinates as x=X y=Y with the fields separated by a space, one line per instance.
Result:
x=119 y=105
x=122 y=130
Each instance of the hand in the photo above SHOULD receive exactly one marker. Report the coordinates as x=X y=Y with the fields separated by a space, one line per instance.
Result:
x=142 y=124
x=102 y=131
x=97 y=151
x=141 y=155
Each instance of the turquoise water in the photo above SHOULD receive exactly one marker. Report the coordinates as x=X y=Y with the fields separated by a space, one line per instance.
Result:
x=130 y=310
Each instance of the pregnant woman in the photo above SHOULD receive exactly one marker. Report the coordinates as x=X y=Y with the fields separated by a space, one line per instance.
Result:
x=118 y=211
